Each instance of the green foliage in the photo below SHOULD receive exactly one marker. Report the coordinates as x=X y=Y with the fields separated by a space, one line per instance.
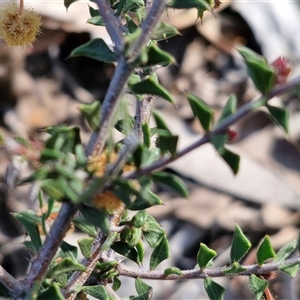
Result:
x=172 y=182
x=205 y=256
x=259 y=70
x=264 y=251
x=30 y=221
x=213 y=289
x=95 y=49
x=64 y=173
x=240 y=245
x=201 y=111
x=280 y=115
x=257 y=286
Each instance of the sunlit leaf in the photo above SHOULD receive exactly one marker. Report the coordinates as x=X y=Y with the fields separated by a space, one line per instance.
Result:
x=201 y=111
x=160 y=253
x=261 y=73
x=264 y=251
x=151 y=87
x=205 y=255
x=95 y=49
x=240 y=245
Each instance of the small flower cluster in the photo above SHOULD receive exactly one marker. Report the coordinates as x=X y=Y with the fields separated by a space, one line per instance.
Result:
x=19 y=27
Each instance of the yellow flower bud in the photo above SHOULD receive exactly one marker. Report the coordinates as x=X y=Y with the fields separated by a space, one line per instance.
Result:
x=19 y=27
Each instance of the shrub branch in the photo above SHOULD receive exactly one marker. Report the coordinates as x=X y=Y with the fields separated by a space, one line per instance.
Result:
x=57 y=232
x=220 y=128
x=265 y=269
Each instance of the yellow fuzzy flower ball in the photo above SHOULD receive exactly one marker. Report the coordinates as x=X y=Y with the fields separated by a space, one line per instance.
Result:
x=19 y=27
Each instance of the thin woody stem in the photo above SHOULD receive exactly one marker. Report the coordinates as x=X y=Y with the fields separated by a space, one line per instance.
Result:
x=49 y=249
x=265 y=269
x=13 y=285
x=219 y=128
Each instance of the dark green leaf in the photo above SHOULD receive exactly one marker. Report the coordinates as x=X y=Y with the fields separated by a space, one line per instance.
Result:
x=97 y=291
x=146 y=134
x=141 y=287
x=66 y=265
x=235 y=268
x=167 y=142
x=157 y=56
x=93 y=12
x=232 y=159
x=63 y=138
x=153 y=233
x=139 y=219
x=264 y=251
x=96 y=217
x=84 y=227
x=160 y=122
x=257 y=286
x=51 y=154
x=151 y=87
x=68 y=250
x=229 y=108
x=96 y=49
x=116 y=284
x=286 y=251
x=132 y=5
x=125 y=125
x=52 y=292
x=163 y=31
x=172 y=182
x=261 y=73
x=131 y=235
x=91 y=112
x=201 y=111
x=127 y=251
x=160 y=253
x=205 y=255
x=67 y=3
x=172 y=271
x=130 y=24
x=30 y=221
x=240 y=245
x=180 y=4
x=85 y=245
x=280 y=115
x=145 y=199
x=213 y=289
x=219 y=140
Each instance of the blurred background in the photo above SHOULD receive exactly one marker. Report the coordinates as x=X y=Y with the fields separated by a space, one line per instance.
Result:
x=41 y=86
